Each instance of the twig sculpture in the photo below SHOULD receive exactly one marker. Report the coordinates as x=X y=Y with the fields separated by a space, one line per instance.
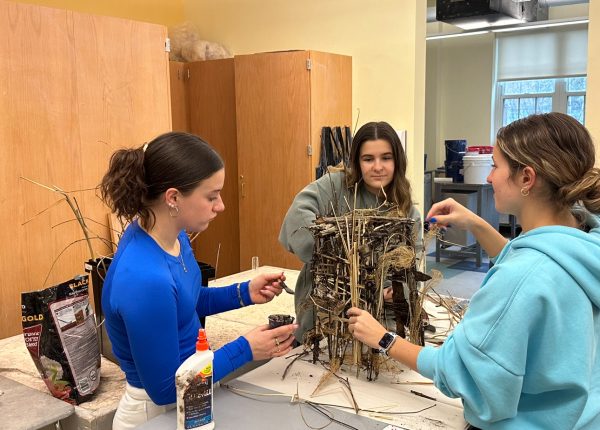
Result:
x=356 y=257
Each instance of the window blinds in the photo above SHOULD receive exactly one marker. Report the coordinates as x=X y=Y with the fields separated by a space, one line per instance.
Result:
x=542 y=54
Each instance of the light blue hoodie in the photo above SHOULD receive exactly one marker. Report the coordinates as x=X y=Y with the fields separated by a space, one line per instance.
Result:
x=527 y=353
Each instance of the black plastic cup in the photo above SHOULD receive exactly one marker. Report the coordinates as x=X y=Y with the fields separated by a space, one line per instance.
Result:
x=277 y=320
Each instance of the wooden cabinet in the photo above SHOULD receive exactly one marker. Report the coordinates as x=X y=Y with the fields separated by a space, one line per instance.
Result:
x=211 y=97
x=74 y=88
x=203 y=100
x=264 y=114
x=282 y=101
x=180 y=112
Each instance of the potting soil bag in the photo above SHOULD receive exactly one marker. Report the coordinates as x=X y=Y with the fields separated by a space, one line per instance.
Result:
x=60 y=333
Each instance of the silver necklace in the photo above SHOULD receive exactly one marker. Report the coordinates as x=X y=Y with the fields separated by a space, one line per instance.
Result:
x=180 y=258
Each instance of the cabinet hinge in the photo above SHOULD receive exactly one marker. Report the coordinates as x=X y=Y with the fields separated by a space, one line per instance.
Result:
x=309 y=150
x=308 y=64
x=167 y=45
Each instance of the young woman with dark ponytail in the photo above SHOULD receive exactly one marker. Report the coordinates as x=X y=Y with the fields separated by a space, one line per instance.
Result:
x=152 y=296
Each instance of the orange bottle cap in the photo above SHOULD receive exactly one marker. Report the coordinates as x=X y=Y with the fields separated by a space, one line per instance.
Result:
x=202 y=342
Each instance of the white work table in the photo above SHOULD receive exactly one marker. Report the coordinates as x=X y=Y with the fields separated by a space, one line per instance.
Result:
x=391 y=392
x=388 y=399
x=97 y=414
x=390 y=395
x=233 y=411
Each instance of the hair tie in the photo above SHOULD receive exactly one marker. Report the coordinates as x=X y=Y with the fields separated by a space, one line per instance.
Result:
x=145 y=147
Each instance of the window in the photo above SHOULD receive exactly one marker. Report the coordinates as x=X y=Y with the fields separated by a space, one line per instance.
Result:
x=518 y=99
x=540 y=71
x=576 y=88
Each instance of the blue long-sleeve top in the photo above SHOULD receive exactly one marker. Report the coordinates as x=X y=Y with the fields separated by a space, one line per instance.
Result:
x=152 y=302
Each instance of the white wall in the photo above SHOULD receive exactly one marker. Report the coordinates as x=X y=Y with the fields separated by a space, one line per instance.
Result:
x=459 y=84
x=458 y=93
x=592 y=111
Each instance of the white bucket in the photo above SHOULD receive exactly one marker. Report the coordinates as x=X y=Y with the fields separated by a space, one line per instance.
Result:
x=477 y=168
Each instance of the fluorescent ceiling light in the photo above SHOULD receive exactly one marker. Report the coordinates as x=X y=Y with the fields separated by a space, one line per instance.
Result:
x=525 y=26
x=544 y=24
x=486 y=21
x=447 y=36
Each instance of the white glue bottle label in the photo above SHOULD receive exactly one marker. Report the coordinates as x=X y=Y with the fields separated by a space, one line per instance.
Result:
x=194 y=382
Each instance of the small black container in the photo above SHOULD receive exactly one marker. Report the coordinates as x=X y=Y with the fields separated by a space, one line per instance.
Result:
x=208 y=272
x=455 y=151
x=277 y=320
x=97 y=269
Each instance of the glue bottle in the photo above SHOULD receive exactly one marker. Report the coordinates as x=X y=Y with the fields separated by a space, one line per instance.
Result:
x=194 y=382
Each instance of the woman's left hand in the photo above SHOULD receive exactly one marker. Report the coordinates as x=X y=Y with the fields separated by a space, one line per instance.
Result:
x=364 y=327
x=265 y=287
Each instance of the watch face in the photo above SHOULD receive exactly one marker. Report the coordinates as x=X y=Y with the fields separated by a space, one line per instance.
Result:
x=386 y=340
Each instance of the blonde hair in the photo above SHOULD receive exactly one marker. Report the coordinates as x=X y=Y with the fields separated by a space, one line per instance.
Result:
x=561 y=152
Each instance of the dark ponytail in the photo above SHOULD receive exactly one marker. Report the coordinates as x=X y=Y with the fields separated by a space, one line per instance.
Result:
x=123 y=187
x=137 y=177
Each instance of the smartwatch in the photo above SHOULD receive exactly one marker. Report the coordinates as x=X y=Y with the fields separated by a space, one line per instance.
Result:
x=386 y=342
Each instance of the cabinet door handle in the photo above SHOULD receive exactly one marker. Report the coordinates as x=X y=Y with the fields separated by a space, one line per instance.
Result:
x=242 y=193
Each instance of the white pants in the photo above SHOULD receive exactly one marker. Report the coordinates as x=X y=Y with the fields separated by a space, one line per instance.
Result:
x=135 y=408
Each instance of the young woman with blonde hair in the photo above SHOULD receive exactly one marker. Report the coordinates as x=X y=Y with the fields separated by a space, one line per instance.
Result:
x=527 y=353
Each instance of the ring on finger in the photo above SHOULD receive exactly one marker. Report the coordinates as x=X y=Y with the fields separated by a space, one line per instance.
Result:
x=278 y=350
x=277 y=343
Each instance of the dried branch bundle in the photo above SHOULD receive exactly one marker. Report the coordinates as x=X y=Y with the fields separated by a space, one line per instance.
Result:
x=356 y=256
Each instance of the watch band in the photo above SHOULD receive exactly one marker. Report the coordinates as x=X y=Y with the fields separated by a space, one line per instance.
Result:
x=386 y=342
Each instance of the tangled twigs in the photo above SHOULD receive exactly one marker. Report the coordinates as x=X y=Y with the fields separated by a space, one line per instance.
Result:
x=357 y=256
x=298 y=356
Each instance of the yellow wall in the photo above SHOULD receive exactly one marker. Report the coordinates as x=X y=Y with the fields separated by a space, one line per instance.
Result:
x=592 y=111
x=386 y=39
x=166 y=12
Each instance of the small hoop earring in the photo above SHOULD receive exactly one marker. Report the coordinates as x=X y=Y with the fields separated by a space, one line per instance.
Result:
x=176 y=214
x=524 y=192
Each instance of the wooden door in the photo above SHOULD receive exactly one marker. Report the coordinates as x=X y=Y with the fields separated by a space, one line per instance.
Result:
x=211 y=97
x=273 y=135
x=73 y=88
x=330 y=97
x=180 y=114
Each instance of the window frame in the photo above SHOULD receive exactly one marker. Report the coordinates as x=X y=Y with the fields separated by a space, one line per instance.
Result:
x=559 y=98
x=575 y=93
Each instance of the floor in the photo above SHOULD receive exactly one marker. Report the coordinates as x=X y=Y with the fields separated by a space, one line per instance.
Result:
x=461 y=277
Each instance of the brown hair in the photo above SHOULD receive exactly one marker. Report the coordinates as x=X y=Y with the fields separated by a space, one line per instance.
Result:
x=561 y=152
x=398 y=191
x=137 y=177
